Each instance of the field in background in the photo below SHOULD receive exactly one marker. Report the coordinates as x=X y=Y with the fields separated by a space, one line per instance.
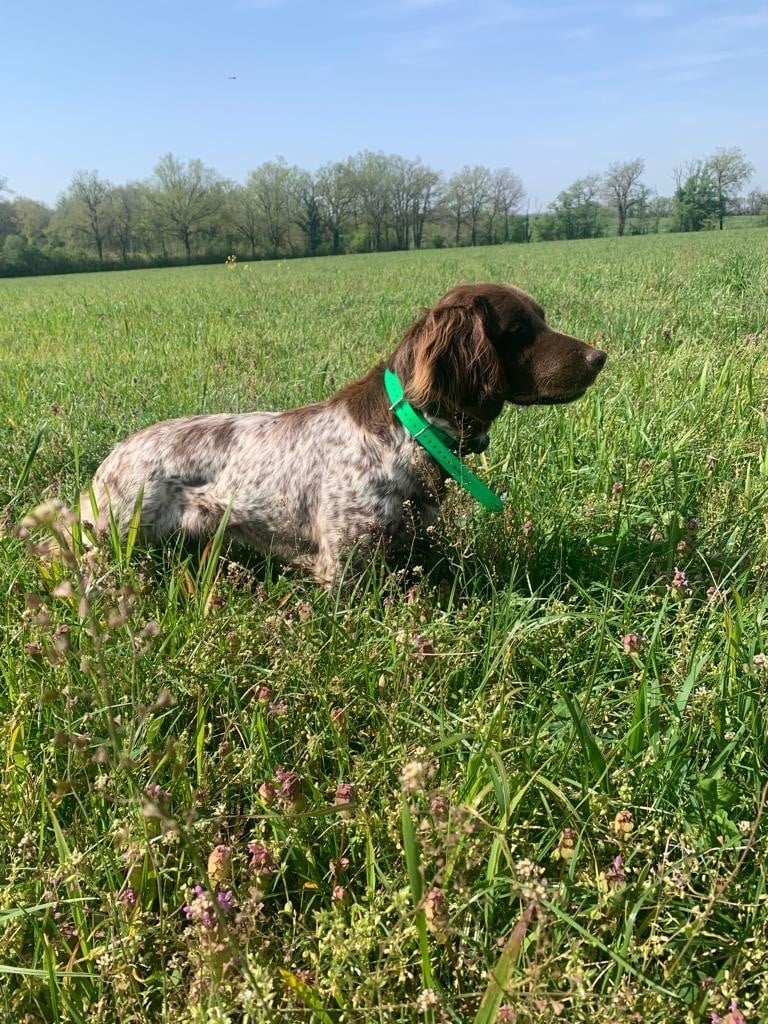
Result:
x=546 y=766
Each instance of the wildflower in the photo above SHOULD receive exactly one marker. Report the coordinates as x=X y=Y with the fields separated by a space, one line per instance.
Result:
x=128 y=898
x=617 y=488
x=623 y=825
x=226 y=900
x=277 y=709
x=760 y=663
x=290 y=783
x=339 y=894
x=680 y=584
x=734 y=1015
x=566 y=848
x=424 y=648
x=337 y=717
x=615 y=874
x=436 y=912
x=219 y=863
x=715 y=595
x=346 y=798
x=338 y=866
x=262 y=863
x=413 y=777
x=506 y=1015
x=200 y=908
x=157 y=794
x=264 y=694
x=631 y=642
x=527 y=528
x=304 y=610
x=267 y=793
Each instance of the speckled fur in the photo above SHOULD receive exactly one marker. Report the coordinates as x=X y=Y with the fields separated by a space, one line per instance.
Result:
x=316 y=484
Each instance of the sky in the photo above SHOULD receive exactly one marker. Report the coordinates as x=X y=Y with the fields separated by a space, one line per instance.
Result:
x=553 y=90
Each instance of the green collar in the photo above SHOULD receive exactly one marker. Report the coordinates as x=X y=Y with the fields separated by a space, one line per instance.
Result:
x=433 y=440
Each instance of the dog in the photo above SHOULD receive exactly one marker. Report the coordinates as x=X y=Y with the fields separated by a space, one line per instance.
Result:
x=320 y=485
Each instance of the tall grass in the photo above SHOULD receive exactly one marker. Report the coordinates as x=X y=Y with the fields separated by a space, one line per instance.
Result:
x=530 y=787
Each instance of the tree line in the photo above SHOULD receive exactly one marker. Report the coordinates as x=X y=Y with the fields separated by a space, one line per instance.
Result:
x=187 y=212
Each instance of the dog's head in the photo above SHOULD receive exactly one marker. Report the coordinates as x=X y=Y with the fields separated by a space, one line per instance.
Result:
x=482 y=345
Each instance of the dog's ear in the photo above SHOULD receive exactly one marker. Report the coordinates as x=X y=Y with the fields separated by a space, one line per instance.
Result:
x=454 y=360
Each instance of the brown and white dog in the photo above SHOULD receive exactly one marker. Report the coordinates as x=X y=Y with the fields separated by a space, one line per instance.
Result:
x=313 y=485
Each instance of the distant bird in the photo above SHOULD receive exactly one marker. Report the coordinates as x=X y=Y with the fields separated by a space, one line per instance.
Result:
x=231 y=77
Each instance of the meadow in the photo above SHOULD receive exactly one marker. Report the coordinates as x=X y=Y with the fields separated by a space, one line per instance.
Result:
x=527 y=785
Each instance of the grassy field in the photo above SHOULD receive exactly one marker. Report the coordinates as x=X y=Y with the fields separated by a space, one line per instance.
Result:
x=531 y=788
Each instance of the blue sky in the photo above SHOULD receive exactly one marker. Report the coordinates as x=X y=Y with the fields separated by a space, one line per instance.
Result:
x=553 y=90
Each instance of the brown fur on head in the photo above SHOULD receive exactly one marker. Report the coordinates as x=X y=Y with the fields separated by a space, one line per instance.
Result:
x=454 y=361
x=483 y=345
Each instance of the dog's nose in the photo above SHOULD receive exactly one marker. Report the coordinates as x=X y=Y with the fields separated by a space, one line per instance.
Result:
x=596 y=358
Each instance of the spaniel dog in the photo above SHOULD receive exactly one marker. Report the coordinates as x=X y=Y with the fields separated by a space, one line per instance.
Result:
x=319 y=484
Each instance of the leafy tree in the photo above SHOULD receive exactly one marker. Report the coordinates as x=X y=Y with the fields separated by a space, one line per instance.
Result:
x=576 y=212
x=506 y=194
x=185 y=199
x=270 y=189
x=32 y=220
x=413 y=188
x=336 y=198
x=245 y=216
x=128 y=210
x=623 y=189
x=308 y=210
x=729 y=171
x=695 y=203
x=85 y=210
x=467 y=197
x=371 y=180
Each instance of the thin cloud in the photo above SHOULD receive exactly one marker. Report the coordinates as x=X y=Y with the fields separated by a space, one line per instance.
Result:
x=651 y=11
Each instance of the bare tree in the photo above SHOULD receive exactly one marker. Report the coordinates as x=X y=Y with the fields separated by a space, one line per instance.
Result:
x=756 y=202
x=623 y=189
x=729 y=170
x=186 y=198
